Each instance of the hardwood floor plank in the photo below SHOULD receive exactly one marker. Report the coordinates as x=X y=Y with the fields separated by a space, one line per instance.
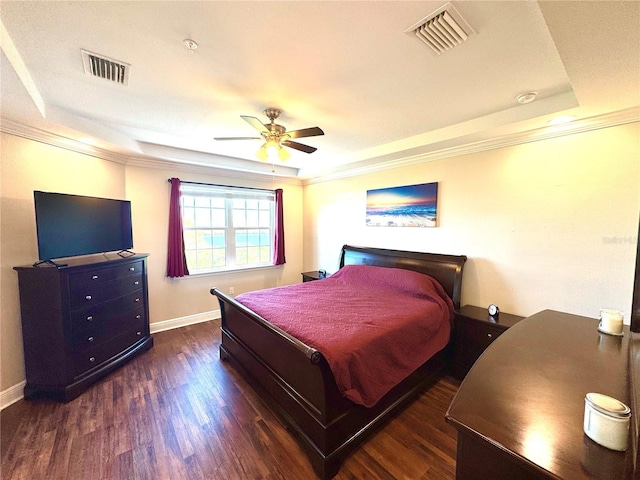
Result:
x=363 y=465
x=179 y=412
x=45 y=452
x=60 y=455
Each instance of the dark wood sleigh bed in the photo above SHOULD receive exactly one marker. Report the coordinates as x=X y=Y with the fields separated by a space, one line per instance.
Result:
x=295 y=380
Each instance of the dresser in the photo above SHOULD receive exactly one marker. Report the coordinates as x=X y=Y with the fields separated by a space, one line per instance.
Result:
x=81 y=320
x=519 y=411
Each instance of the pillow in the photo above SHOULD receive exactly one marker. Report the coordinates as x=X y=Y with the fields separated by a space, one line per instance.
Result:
x=408 y=282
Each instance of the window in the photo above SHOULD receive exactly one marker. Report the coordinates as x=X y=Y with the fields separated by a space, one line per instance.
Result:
x=227 y=228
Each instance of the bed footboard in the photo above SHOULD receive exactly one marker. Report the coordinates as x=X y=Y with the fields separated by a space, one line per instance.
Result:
x=301 y=370
x=295 y=381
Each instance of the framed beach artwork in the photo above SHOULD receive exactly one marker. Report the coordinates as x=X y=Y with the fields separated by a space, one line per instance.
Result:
x=408 y=206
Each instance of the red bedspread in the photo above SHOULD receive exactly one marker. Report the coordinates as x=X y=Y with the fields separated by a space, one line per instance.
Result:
x=374 y=325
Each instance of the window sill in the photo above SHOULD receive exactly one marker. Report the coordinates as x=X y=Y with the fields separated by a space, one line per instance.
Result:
x=201 y=273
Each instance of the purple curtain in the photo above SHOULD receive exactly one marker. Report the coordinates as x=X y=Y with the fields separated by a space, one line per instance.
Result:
x=176 y=260
x=278 y=251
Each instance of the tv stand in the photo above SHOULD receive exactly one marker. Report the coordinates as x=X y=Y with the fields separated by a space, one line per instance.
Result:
x=81 y=321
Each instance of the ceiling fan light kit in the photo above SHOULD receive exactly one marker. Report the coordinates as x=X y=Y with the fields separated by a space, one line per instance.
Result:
x=271 y=149
x=276 y=136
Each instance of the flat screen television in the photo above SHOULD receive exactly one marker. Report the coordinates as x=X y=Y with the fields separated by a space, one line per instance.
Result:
x=74 y=225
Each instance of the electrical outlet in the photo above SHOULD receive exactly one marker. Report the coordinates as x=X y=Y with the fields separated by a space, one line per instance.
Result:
x=232 y=290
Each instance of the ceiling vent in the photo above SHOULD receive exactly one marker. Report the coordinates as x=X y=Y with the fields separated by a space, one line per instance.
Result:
x=442 y=30
x=96 y=65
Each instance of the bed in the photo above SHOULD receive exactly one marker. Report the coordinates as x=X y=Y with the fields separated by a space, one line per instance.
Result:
x=296 y=381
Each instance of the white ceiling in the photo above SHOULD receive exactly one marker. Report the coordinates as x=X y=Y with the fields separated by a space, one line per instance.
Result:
x=348 y=67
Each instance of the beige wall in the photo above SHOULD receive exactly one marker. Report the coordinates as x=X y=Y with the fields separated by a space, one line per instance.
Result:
x=28 y=165
x=550 y=224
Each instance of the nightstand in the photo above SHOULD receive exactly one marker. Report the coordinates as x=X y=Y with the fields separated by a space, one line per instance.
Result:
x=311 y=276
x=474 y=331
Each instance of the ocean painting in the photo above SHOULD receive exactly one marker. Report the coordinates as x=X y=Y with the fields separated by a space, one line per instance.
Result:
x=408 y=206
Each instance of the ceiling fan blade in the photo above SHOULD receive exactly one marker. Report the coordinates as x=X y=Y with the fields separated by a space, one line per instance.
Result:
x=255 y=123
x=299 y=146
x=238 y=138
x=305 y=132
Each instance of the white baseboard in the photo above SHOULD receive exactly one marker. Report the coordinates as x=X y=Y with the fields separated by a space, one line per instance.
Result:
x=184 y=321
x=12 y=394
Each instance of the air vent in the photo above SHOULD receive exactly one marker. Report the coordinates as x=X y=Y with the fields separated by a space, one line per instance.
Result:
x=442 y=30
x=96 y=65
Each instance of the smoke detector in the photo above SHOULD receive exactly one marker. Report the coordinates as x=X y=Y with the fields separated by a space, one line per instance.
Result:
x=190 y=45
x=526 y=97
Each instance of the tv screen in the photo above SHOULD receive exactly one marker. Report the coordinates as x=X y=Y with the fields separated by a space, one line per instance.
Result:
x=73 y=225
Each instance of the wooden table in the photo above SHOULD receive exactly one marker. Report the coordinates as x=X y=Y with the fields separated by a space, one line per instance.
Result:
x=519 y=412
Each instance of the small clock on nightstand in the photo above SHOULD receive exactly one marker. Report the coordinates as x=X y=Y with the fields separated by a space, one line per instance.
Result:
x=493 y=310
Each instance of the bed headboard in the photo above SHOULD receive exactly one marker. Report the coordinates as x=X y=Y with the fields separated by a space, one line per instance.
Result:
x=446 y=269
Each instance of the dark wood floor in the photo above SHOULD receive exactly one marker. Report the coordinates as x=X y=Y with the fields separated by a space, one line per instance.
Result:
x=178 y=412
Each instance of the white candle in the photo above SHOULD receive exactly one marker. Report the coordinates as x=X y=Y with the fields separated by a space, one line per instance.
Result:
x=611 y=321
x=606 y=421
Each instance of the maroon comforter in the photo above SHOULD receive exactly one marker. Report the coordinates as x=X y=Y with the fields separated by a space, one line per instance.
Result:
x=374 y=325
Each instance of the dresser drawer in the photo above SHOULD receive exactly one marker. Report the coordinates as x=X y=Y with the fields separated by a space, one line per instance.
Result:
x=475 y=330
x=90 y=358
x=98 y=332
x=83 y=318
x=133 y=268
x=471 y=340
x=91 y=277
x=476 y=335
x=83 y=295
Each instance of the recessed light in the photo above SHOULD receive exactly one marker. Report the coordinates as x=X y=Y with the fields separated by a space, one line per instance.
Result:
x=527 y=97
x=561 y=120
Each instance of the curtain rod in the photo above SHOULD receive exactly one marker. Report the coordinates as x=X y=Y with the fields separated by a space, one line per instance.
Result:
x=227 y=186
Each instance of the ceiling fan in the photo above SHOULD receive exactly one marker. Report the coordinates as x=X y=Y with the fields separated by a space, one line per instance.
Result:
x=276 y=136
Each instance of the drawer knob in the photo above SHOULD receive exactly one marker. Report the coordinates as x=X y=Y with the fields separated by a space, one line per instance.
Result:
x=138 y=317
x=88 y=297
x=136 y=282
x=137 y=300
x=90 y=318
x=138 y=333
x=132 y=269
x=95 y=277
x=92 y=359
x=90 y=339
x=489 y=335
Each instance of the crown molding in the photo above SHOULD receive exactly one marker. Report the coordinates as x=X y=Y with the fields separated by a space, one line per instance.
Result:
x=467 y=145
x=55 y=140
x=135 y=160
x=613 y=119
x=145 y=162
